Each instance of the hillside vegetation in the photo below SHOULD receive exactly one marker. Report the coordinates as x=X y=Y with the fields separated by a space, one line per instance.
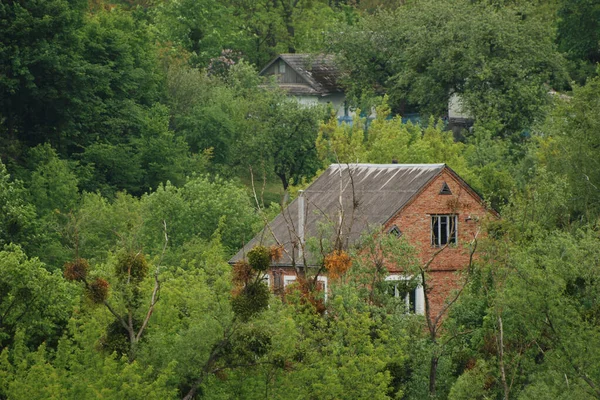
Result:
x=140 y=149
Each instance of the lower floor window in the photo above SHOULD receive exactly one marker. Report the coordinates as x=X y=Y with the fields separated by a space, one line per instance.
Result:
x=408 y=290
x=321 y=283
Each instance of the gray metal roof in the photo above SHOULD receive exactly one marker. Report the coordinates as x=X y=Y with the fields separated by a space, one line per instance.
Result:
x=377 y=191
x=319 y=70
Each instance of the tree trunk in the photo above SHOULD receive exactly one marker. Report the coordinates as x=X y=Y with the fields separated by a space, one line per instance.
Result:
x=433 y=374
x=501 y=358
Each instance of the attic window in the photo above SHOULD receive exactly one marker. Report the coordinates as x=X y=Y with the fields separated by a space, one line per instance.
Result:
x=445 y=189
x=281 y=67
x=395 y=231
x=443 y=230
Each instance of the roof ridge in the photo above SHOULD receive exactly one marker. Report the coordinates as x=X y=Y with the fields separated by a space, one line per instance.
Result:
x=370 y=165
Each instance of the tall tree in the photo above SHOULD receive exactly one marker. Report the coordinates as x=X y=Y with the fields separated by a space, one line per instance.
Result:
x=579 y=34
x=499 y=60
x=39 y=62
x=569 y=147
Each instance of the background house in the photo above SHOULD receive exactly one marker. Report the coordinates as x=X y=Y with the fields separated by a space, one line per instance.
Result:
x=312 y=79
x=429 y=204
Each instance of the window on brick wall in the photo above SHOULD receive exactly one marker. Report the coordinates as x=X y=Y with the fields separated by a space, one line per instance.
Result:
x=394 y=230
x=443 y=230
x=409 y=291
x=321 y=283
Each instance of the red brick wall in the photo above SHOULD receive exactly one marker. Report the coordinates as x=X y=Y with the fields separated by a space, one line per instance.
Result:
x=414 y=221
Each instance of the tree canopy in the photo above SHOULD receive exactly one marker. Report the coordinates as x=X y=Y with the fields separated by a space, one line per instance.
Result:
x=140 y=149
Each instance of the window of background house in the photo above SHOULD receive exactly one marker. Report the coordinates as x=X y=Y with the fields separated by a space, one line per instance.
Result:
x=407 y=290
x=443 y=230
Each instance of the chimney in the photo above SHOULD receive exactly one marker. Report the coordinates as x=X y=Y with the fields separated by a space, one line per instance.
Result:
x=301 y=212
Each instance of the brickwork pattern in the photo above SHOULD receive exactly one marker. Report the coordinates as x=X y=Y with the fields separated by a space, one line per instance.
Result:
x=414 y=221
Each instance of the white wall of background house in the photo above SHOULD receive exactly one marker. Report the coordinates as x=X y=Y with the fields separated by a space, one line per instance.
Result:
x=456 y=109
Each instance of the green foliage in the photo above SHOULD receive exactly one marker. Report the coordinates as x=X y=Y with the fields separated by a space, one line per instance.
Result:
x=203 y=28
x=342 y=356
x=498 y=59
x=471 y=385
x=569 y=148
x=90 y=107
x=115 y=339
x=197 y=210
x=244 y=125
x=99 y=225
x=192 y=320
x=388 y=139
x=76 y=370
x=31 y=299
x=579 y=34
x=16 y=215
x=53 y=183
x=259 y=30
x=38 y=60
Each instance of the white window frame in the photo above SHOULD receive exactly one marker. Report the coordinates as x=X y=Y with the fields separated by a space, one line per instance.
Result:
x=437 y=241
x=289 y=279
x=419 y=293
x=266 y=278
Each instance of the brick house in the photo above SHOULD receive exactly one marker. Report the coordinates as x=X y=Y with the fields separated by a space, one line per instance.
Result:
x=428 y=204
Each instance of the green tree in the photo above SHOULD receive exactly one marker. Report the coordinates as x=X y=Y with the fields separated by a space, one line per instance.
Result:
x=33 y=300
x=72 y=79
x=579 y=34
x=197 y=210
x=498 y=59
x=38 y=59
x=52 y=188
x=202 y=28
x=77 y=370
x=17 y=216
x=569 y=147
x=288 y=145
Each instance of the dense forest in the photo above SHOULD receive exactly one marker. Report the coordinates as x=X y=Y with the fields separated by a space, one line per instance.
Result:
x=140 y=149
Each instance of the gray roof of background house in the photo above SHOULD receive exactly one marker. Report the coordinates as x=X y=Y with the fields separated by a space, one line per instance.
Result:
x=378 y=192
x=320 y=71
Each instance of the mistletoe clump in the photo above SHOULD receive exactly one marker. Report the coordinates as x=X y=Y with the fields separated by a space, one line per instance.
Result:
x=251 y=300
x=98 y=291
x=276 y=252
x=115 y=339
x=259 y=258
x=132 y=266
x=337 y=263
x=77 y=270
x=242 y=273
